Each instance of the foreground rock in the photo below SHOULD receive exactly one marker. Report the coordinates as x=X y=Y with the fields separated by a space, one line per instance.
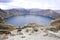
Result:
x=55 y=25
x=55 y=22
x=34 y=31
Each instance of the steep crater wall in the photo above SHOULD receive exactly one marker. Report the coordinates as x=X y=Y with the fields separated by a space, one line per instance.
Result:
x=15 y=12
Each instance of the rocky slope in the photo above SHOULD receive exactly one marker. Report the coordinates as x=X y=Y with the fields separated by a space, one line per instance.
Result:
x=14 y=12
x=34 y=31
x=4 y=26
x=47 y=12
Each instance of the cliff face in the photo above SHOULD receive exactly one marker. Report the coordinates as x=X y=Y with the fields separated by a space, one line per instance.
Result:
x=14 y=12
x=55 y=22
x=3 y=14
x=48 y=12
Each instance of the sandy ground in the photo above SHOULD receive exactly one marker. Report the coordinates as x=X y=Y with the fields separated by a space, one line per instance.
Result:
x=31 y=35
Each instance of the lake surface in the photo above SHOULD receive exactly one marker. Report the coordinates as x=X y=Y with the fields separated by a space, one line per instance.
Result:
x=22 y=20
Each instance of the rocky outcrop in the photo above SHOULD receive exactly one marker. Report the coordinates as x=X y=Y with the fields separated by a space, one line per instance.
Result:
x=1 y=20
x=55 y=22
x=31 y=25
x=54 y=25
x=5 y=26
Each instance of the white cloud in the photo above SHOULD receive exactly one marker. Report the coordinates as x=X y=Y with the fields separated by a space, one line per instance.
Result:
x=43 y=4
x=3 y=6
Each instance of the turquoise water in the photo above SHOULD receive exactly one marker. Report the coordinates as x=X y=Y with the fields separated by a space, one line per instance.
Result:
x=22 y=20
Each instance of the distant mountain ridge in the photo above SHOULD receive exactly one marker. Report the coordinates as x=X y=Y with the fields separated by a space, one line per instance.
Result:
x=14 y=12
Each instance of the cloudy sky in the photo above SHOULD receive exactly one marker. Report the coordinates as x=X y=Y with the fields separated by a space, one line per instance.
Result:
x=42 y=4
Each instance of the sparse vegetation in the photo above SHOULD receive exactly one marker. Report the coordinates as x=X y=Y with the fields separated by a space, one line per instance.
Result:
x=12 y=34
x=55 y=29
x=27 y=30
x=23 y=37
x=35 y=29
x=6 y=26
x=20 y=33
